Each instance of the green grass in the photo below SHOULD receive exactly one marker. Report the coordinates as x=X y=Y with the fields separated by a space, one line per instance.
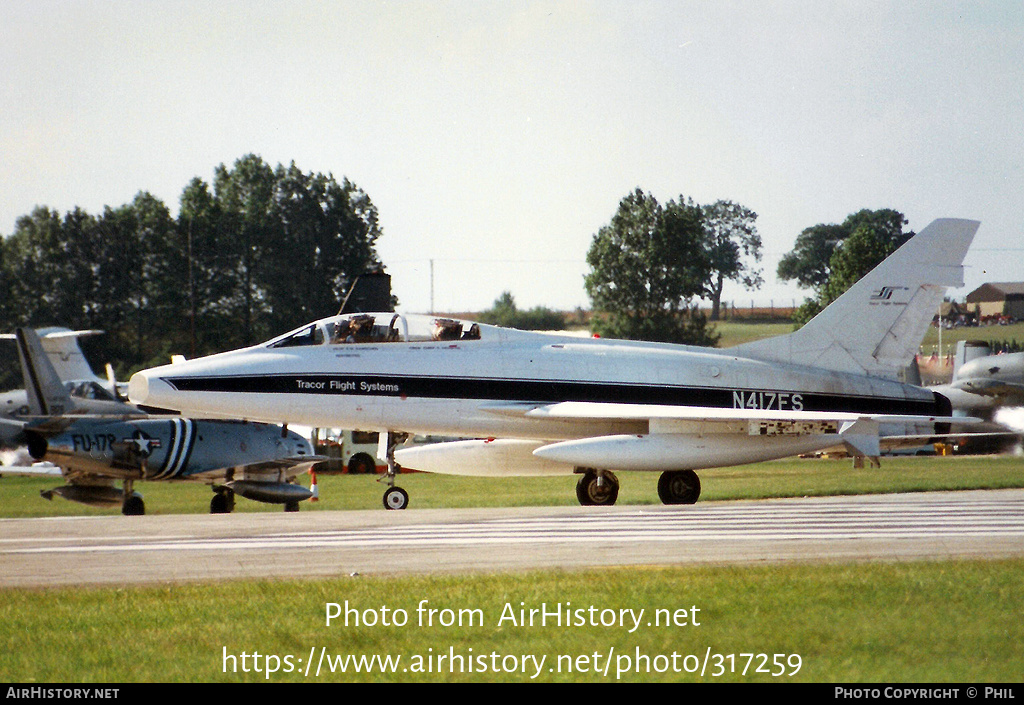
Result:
x=987 y=333
x=736 y=332
x=909 y=622
x=19 y=496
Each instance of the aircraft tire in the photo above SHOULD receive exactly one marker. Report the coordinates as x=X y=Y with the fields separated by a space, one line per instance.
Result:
x=222 y=503
x=133 y=506
x=678 y=487
x=291 y=507
x=396 y=498
x=590 y=493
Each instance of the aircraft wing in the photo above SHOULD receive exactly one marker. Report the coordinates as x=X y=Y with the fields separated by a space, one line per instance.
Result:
x=676 y=438
x=612 y=411
x=291 y=466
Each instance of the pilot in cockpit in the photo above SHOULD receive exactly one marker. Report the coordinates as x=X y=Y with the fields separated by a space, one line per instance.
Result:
x=446 y=329
x=343 y=333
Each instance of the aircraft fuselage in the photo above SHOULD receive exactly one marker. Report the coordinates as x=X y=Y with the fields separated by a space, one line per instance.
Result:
x=476 y=387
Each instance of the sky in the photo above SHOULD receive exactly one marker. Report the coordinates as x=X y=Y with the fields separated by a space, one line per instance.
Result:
x=497 y=137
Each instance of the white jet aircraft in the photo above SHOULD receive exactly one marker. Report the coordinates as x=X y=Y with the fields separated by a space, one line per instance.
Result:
x=542 y=405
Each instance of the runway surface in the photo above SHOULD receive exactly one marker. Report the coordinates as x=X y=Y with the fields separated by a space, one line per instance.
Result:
x=158 y=549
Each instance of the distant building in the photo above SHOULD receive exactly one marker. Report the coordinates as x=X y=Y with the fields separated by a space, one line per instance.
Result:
x=998 y=299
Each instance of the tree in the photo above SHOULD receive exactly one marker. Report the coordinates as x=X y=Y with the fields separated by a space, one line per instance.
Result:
x=36 y=259
x=328 y=232
x=818 y=260
x=856 y=256
x=200 y=225
x=505 y=313
x=647 y=266
x=245 y=195
x=732 y=242
x=807 y=262
x=264 y=248
x=141 y=280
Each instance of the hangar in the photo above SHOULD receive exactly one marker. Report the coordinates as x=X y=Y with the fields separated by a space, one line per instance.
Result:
x=998 y=300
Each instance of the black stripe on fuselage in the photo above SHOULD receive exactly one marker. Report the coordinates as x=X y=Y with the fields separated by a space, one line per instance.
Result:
x=172 y=450
x=548 y=392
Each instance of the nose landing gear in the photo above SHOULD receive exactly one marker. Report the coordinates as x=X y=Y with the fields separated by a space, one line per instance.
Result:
x=394 y=497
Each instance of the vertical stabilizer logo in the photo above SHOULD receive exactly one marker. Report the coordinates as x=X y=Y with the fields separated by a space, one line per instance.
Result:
x=884 y=295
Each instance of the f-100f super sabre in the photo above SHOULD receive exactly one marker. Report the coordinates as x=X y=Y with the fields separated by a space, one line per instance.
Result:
x=537 y=404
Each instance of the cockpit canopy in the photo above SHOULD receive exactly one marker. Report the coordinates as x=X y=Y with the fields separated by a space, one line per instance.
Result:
x=89 y=390
x=377 y=328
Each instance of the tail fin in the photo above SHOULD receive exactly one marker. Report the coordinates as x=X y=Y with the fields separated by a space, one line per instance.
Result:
x=877 y=326
x=62 y=349
x=47 y=395
x=65 y=354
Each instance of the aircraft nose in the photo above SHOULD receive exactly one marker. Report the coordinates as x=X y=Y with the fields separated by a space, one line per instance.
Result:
x=138 y=388
x=146 y=388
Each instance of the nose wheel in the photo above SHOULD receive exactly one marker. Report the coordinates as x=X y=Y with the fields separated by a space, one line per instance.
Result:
x=394 y=497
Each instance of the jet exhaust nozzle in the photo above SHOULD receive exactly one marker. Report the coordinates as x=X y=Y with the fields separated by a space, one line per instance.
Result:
x=37 y=445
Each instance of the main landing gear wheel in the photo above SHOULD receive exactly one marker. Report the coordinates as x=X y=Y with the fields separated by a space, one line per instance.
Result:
x=597 y=489
x=396 y=498
x=223 y=502
x=679 y=487
x=133 y=506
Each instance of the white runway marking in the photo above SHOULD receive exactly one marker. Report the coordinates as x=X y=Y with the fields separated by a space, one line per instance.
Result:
x=887 y=518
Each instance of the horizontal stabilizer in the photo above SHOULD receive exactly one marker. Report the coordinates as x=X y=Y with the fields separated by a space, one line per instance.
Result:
x=12 y=434
x=34 y=470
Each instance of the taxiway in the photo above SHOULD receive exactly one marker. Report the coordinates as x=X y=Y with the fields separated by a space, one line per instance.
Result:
x=160 y=549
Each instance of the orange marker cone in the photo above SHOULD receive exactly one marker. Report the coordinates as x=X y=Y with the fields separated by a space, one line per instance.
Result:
x=314 y=489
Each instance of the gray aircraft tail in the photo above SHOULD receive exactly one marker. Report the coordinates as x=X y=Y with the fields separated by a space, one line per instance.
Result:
x=47 y=395
x=877 y=325
x=64 y=352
